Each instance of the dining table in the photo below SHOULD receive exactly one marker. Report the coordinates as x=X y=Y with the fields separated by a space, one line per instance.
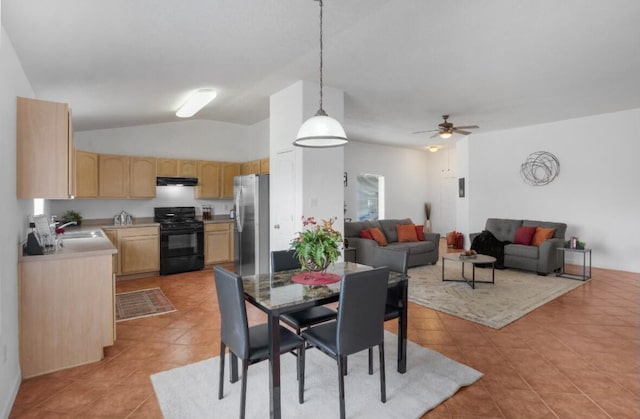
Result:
x=277 y=293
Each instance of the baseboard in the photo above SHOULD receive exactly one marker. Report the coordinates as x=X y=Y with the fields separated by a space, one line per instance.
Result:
x=6 y=410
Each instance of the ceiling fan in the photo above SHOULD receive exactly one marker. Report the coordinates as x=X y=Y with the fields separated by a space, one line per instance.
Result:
x=447 y=129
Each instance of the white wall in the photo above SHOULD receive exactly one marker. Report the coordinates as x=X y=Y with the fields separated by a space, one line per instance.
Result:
x=405 y=172
x=13 y=82
x=191 y=139
x=442 y=187
x=596 y=192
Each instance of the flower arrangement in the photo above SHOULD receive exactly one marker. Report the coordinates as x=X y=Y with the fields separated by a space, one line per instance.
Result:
x=318 y=246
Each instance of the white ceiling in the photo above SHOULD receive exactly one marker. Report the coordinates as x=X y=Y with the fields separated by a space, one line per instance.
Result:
x=401 y=63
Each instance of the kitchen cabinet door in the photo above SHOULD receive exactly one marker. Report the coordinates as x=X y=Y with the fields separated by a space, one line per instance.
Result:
x=166 y=167
x=208 y=179
x=139 y=249
x=112 y=235
x=142 y=177
x=44 y=150
x=218 y=243
x=113 y=176
x=228 y=172
x=250 y=167
x=264 y=166
x=86 y=173
x=187 y=168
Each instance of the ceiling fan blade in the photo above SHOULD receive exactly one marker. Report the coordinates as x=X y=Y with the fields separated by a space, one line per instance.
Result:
x=429 y=130
x=459 y=131
x=467 y=127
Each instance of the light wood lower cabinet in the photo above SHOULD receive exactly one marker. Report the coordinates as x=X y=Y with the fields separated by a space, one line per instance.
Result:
x=138 y=249
x=66 y=313
x=218 y=243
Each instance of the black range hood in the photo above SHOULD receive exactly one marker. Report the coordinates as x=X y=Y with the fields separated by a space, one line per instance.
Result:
x=181 y=181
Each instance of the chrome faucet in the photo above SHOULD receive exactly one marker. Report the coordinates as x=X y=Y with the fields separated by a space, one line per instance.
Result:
x=70 y=223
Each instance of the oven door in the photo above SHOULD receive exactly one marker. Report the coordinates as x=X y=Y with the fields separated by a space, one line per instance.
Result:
x=179 y=242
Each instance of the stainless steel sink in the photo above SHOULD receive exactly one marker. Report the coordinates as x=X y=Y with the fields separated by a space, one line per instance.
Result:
x=86 y=234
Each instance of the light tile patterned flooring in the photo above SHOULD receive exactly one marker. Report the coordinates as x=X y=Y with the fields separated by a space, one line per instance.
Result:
x=576 y=357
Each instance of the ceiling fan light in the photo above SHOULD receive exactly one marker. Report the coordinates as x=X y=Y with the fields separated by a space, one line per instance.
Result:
x=433 y=148
x=320 y=131
x=445 y=134
x=196 y=101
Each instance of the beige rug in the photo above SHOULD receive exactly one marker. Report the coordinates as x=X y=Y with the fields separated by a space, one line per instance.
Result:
x=143 y=303
x=431 y=378
x=514 y=294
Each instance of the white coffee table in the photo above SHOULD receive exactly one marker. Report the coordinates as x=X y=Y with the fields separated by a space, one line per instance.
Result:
x=477 y=259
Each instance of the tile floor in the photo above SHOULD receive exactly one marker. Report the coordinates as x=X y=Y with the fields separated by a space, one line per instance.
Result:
x=576 y=357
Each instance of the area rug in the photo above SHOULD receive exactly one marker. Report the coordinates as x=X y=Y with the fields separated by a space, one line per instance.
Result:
x=192 y=391
x=143 y=303
x=514 y=294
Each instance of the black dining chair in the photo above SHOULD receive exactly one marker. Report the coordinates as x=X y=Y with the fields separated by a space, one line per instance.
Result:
x=284 y=260
x=249 y=344
x=359 y=326
x=396 y=261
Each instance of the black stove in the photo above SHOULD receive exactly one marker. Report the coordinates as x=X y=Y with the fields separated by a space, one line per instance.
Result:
x=181 y=239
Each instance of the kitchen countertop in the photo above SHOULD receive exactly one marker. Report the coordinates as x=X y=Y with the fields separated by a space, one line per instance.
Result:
x=145 y=222
x=75 y=248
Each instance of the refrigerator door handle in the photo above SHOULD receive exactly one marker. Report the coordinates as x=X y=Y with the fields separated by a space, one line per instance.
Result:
x=239 y=209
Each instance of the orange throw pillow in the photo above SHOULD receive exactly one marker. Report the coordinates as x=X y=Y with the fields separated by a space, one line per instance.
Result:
x=406 y=233
x=378 y=236
x=541 y=235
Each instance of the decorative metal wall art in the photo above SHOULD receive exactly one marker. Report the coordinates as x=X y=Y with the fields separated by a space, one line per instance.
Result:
x=540 y=168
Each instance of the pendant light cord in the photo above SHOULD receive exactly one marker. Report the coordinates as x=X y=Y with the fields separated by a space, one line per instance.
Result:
x=321 y=63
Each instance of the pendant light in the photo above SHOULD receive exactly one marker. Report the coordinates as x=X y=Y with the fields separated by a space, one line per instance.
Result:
x=320 y=131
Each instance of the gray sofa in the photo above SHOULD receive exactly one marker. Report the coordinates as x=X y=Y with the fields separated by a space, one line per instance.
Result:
x=420 y=252
x=542 y=259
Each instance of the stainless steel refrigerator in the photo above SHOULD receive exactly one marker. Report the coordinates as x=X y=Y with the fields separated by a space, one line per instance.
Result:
x=251 y=241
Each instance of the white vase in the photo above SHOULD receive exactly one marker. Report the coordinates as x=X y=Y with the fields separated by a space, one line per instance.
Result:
x=427 y=226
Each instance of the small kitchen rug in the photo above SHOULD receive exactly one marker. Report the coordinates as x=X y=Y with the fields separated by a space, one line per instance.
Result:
x=143 y=303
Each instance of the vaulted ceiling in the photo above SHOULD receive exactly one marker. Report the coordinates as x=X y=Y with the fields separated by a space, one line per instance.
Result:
x=401 y=63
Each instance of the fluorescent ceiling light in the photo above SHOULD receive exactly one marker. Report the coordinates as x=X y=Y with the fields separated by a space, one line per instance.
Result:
x=197 y=101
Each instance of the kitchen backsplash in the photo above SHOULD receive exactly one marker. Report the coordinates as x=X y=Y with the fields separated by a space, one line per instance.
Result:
x=166 y=196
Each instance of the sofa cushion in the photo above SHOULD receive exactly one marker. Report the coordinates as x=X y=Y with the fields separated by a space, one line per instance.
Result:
x=378 y=236
x=365 y=233
x=406 y=233
x=521 y=250
x=561 y=228
x=541 y=235
x=415 y=247
x=524 y=235
x=420 y=232
x=352 y=229
x=503 y=229
x=389 y=228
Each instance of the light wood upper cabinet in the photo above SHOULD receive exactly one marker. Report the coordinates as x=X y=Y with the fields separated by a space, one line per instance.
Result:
x=142 y=177
x=86 y=174
x=218 y=243
x=113 y=176
x=228 y=172
x=264 y=166
x=250 y=167
x=208 y=179
x=44 y=150
x=166 y=167
x=188 y=168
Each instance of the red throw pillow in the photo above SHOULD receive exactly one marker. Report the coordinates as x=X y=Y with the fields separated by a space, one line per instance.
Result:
x=366 y=234
x=406 y=233
x=420 y=232
x=541 y=235
x=378 y=236
x=524 y=235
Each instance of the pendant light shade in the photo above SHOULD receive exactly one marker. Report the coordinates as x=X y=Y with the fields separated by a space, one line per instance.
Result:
x=321 y=131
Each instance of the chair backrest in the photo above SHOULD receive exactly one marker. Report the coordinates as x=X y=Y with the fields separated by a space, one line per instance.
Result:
x=284 y=260
x=395 y=260
x=233 y=313
x=361 y=314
